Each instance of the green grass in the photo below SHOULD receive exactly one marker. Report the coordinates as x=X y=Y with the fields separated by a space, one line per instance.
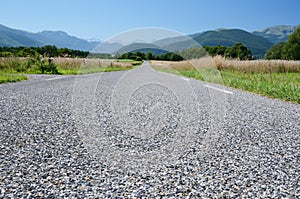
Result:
x=284 y=86
x=11 y=69
x=8 y=77
x=89 y=70
x=14 y=77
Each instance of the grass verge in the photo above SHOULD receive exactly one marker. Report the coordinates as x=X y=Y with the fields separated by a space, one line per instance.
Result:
x=8 y=77
x=285 y=86
x=280 y=85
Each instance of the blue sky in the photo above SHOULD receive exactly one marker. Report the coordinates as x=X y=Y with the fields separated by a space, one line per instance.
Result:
x=102 y=19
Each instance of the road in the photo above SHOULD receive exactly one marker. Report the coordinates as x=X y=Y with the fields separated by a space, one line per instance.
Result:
x=144 y=133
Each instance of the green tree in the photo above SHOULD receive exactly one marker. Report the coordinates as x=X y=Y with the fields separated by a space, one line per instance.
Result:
x=50 y=51
x=221 y=50
x=6 y=54
x=238 y=51
x=291 y=49
x=193 y=53
x=64 y=52
x=27 y=52
x=149 y=55
x=275 y=52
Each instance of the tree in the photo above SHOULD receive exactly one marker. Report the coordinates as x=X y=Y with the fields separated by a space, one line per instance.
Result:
x=238 y=51
x=289 y=50
x=27 y=52
x=221 y=50
x=49 y=51
x=193 y=53
x=149 y=55
x=275 y=51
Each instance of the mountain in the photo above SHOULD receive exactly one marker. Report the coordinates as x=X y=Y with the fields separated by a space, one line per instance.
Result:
x=258 y=41
x=224 y=37
x=177 y=43
x=62 y=40
x=108 y=47
x=14 y=37
x=137 y=47
x=171 y=40
x=276 y=34
x=227 y=37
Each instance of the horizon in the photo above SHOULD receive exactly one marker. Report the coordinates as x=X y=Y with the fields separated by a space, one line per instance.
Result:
x=111 y=39
x=102 y=20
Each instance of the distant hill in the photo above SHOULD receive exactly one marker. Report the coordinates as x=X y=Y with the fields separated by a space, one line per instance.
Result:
x=142 y=47
x=224 y=37
x=107 y=47
x=13 y=38
x=61 y=39
x=276 y=34
x=258 y=41
x=227 y=37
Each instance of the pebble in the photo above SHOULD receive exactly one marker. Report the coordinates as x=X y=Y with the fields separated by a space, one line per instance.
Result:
x=43 y=153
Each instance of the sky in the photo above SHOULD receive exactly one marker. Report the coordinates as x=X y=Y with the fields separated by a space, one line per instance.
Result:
x=102 y=19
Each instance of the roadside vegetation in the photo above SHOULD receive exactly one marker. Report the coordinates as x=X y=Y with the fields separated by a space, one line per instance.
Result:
x=289 y=50
x=278 y=76
x=236 y=51
x=273 y=78
x=14 y=68
x=71 y=66
x=17 y=61
x=6 y=77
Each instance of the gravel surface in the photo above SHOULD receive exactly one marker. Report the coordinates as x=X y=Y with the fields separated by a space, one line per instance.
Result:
x=144 y=134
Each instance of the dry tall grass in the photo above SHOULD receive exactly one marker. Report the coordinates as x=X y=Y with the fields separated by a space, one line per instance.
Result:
x=251 y=66
x=77 y=63
x=257 y=66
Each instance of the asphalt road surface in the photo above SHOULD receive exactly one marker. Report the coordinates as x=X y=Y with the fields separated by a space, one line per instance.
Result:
x=143 y=133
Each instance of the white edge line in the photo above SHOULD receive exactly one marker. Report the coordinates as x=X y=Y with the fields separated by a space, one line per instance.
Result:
x=54 y=78
x=218 y=89
x=186 y=79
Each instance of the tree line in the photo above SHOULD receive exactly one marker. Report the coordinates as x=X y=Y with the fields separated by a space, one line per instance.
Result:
x=289 y=50
x=45 y=51
x=139 y=56
x=237 y=51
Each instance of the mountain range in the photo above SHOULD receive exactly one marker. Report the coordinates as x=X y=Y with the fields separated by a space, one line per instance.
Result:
x=224 y=37
x=257 y=41
x=14 y=38
x=276 y=34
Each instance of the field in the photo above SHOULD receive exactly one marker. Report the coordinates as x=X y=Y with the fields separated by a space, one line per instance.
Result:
x=273 y=78
x=12 y=69
x=84 y=66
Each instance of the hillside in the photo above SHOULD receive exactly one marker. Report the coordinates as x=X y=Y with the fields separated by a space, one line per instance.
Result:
x=276 y=34
x=142 y=47
x=227 y=37
x=258 y=41
x=107 y=47
x=224 y=37
x=13 y=38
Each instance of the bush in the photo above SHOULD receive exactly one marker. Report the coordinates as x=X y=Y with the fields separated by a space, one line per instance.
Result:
x=47 y=66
